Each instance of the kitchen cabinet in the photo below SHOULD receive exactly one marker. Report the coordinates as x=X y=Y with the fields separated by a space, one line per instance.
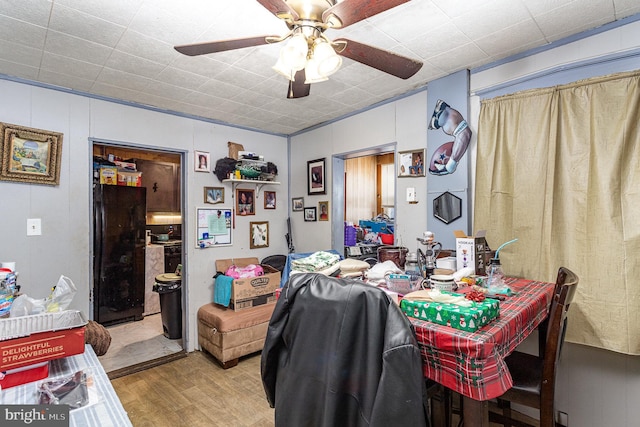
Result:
x=162 y=181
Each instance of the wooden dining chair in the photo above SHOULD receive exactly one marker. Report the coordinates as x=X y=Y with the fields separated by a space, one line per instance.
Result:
x=534 y=377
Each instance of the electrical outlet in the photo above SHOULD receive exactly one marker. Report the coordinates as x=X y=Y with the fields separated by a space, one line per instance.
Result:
x=34 y=227
x=563 y=419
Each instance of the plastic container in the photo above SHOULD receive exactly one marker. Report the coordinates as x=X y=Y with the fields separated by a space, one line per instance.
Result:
x=387 y=239
x=350 y=234
x=403 y=283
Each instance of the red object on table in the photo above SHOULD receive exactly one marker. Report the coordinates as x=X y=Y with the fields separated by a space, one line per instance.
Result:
x=40 y=347
x=472 y=363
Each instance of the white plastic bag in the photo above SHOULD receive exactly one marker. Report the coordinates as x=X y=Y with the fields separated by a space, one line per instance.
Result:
x=24 y=305
x=61 y=296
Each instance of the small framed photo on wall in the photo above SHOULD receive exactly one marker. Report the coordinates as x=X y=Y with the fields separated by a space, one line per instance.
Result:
x=245 y=204
x=269 y=199
x=259 y=234
x=297 y=204
x=214 y=195
x=316 y=177
x=310 y=214
x=202 y=161
x=323 y=207
x=411 y=163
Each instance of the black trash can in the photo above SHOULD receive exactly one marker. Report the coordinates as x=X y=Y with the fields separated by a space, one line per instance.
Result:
x=169 y=288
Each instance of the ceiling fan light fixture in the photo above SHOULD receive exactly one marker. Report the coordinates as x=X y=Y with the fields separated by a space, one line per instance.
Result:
x=327 y=59
x=294 y=54
x=311 y=72
x=282 y=69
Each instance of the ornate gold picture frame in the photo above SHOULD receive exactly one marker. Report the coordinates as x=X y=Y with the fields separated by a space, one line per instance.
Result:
x=30 y=155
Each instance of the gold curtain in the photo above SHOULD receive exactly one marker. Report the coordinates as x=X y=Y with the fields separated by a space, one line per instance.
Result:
x=360 y=182
x=559 y=169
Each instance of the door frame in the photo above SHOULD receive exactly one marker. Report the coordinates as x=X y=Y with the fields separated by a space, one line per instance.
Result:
x=185 y=222
x=338 y=197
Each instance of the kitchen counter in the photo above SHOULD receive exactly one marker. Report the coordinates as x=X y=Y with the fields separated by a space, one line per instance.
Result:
x=154 y=265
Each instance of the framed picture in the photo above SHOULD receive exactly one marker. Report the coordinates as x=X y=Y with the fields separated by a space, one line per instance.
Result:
x=202 y=161
x=213 y=195
x=297 y=204
x=323 y=207
x=316 y=177
x=411 y=163
x=269 y=199
x=259 y=234
x=245 y=204
x=30 y=155
x=310 y=214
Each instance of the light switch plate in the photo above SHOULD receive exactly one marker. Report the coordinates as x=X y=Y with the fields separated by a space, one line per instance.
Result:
x=34 y=227
x=411 y=195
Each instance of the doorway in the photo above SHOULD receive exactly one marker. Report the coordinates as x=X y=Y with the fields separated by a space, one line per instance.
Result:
x=383 y=179
x=127 y=305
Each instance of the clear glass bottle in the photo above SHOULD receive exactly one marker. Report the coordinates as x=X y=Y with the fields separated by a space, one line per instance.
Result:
x=496 y=275
x=411 y=264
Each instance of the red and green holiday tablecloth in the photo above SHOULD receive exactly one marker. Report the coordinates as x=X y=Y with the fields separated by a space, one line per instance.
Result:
x=472 y=363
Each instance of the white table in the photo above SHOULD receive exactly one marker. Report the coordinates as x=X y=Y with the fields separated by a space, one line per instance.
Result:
x=106 y=412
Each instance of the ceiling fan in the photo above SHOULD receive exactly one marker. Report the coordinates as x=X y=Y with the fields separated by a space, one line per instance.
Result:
x=309 y=56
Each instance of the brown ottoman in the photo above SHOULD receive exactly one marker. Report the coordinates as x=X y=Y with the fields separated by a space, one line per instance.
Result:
x=228 y=334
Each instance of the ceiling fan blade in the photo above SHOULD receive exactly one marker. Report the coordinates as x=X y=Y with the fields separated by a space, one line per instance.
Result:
x=298 y=88
x=391 y=63
x=222 y=45
x=279 y=8
x=349 y=12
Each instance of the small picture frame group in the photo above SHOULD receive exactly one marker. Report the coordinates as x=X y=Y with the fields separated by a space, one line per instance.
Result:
x=310 y=214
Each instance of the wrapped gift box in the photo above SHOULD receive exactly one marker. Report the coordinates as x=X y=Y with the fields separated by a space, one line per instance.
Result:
x=468 y=319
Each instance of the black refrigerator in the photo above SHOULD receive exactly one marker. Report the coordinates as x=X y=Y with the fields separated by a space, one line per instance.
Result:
x=119 y=253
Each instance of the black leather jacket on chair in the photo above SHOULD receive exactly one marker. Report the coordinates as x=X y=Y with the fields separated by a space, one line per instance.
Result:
x=339 y=352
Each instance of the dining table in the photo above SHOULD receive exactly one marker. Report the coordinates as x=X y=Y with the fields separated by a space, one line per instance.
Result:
x=102 y=408
x=473 y=363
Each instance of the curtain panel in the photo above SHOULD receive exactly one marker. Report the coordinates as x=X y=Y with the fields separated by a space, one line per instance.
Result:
x=559 y=169
x=360 y=183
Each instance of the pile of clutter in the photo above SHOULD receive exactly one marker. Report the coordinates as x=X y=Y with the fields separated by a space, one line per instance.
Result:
x=9 y=287
x=247 y=165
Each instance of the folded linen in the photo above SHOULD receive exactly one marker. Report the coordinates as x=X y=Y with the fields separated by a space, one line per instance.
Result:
x=315 y=262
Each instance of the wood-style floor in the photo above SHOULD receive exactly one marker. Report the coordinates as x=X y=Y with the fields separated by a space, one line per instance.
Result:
x=195 y=391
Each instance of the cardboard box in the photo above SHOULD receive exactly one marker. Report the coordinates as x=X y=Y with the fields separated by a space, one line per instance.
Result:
x=129 y=179
x=245 y=292
x=27 y=374
x=237 y=305
x=127 y=166
x=109 y=175
x=472 y=251
x=468 y=319
x=41 y=347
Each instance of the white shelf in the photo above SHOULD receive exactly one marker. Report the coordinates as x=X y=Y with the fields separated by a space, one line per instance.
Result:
x=259 y=184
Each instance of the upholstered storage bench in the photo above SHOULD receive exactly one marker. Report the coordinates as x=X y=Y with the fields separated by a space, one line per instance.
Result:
x=228 y=334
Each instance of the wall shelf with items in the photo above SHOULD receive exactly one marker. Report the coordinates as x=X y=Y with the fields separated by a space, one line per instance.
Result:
x=257 y=183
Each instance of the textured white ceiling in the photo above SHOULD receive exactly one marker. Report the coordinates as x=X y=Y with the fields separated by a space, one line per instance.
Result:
x=123 y=49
